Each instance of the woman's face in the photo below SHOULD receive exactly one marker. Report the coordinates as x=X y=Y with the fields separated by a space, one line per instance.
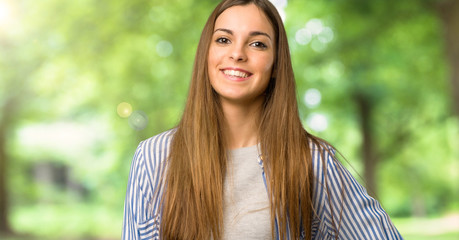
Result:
x=241 y=54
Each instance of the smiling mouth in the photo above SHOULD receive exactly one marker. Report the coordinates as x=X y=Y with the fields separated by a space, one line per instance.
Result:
x=236 y=73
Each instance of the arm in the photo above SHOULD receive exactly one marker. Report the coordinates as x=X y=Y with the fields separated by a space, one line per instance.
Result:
x=134 y=198
x=342 y=204
x=138 y=221
x=143 y=194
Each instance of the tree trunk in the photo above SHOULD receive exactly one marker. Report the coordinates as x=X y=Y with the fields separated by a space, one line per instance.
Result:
x=370 y=159
x=4 y=223
x=449 y=14
x=4 y=196
x=16 y=88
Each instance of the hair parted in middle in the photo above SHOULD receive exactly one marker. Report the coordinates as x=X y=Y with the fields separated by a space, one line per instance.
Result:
x=192 y=203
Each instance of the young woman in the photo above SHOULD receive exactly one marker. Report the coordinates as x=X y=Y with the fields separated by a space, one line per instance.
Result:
x=240 y=165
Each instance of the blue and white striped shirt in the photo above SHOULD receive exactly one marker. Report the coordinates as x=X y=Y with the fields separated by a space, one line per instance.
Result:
x=362 y=217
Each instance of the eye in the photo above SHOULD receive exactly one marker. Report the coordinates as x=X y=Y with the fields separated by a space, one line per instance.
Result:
x=222 y=40
x=259 y=45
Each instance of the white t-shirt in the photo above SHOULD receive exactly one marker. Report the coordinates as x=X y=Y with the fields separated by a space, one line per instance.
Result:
x=246 y=213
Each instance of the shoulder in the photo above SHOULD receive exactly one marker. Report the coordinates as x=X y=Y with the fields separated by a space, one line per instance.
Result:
x=327 y=169
x=152 y=152
x=322 y=153
x=145 y=187
x=157 y=143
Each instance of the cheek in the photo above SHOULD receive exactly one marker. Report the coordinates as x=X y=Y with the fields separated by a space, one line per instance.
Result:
x=209 y=60
x=213 y=56
x=212 y=62
x=268 y=66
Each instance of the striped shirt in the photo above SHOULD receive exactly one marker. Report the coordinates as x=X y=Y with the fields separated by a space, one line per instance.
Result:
x=355 y=213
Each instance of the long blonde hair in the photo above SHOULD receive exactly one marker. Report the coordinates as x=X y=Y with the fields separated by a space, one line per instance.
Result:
x=192 y=204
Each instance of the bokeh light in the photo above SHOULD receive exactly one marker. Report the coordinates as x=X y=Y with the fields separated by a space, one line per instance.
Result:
x=326 y=35
x=315 y=26
x=316 y=33
x=124 y=109
x=303 y=36
x=138 y=120
x=312 y=97
x=164 y=48
x=317 y=122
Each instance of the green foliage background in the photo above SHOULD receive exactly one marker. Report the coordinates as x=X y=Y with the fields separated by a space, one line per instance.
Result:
x=66 y=65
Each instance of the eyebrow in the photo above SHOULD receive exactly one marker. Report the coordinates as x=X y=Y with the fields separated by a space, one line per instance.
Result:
x=253 y=33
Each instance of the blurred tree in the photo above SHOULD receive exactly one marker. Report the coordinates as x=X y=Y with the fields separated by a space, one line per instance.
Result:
x=386 y=66
x=79 y=67
x=7 y=107
x=380 y=67
x=16 y=67
x=449 y=14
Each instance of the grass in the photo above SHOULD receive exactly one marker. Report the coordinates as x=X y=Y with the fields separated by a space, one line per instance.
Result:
x=439 y=228
x=72 y=221
x=79 y=221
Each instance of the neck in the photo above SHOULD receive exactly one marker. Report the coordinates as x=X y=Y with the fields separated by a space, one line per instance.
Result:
x=241 y=123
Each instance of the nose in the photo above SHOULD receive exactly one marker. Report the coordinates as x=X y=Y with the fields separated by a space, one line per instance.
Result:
x=238 y=53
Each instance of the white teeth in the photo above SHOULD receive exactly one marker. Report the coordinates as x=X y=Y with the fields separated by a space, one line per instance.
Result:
x=235 y=73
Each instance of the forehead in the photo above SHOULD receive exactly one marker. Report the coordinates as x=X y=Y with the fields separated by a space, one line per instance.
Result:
x=245 y=18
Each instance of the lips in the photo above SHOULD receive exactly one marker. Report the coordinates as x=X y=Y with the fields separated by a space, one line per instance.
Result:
x=236 y=74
